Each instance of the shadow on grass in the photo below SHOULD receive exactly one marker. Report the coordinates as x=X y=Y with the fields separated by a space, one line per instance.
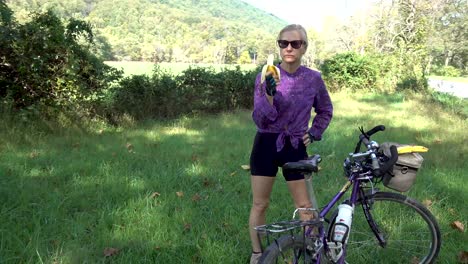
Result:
x=67 y=197
x=173 y=192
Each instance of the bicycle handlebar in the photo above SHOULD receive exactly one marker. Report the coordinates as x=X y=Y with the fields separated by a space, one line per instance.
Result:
x=365 y=138
x=389 y=164
x=375 y=130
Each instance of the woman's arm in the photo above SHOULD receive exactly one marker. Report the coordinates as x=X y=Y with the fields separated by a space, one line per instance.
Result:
x=264 y=112
x=324 y=111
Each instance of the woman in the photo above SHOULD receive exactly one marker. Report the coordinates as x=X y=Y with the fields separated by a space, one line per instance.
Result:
x=282 y=111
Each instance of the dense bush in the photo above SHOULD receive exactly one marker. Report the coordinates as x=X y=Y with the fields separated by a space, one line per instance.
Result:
x=448 y=71
x=45 y=64
x=349 y=71
x=195 y=90
x=373 y=72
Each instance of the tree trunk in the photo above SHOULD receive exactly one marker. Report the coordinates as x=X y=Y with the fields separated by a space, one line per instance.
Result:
x=448 y=58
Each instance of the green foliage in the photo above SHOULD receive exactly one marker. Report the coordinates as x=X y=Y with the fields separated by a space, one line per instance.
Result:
x=171 y=31
x=448 y=71
x=456 y=105
x=412 y=84
x=349 y=71
x=143 y=97
x=195 y=90
x=373 y=72
x=44 y=63
x=6 y=14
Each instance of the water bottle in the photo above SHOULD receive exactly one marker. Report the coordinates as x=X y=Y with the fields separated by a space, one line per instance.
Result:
x=343 y=223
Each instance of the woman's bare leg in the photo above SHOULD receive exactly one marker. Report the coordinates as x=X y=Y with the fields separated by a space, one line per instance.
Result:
x=299 y=194
x=261 y=190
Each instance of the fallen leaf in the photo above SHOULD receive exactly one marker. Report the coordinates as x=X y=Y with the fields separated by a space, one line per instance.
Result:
x=458 y=225
x=415 y=260
x=196 y=197
x=34 y=154
x=155 y=195
x=157 y=248
x=452 y=211
x=129 y=147
x=233 y=173
x=463 y=257
x=180 y=194
x=109 y=252
x=437 y=141
x=427 y=203
x=187 y=226
x=245 y=167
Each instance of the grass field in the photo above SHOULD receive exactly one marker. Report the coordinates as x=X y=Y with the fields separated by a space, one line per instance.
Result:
x=140 y=67
x=175 y=192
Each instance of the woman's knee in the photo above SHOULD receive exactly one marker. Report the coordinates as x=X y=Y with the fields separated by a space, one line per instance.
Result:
x=305 y=204
x=260 y=206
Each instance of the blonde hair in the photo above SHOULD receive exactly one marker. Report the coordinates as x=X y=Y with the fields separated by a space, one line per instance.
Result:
x=295 y=27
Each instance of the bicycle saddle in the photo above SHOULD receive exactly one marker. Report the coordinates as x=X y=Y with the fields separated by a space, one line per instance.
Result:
x=304 y=166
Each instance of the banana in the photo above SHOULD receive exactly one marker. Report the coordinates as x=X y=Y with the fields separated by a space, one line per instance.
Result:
x=269 y=67
x=411 y=149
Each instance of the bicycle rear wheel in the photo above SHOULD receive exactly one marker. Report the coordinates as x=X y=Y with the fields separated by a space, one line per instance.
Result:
x=410 y=231
x=286 y=249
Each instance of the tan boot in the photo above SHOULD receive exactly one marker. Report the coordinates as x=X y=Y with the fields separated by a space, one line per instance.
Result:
x=255 y=258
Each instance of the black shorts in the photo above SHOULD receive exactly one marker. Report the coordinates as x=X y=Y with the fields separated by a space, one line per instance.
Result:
x=265 y=160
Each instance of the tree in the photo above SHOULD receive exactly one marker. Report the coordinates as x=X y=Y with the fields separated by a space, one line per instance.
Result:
x=450 y=45
x=47 y=63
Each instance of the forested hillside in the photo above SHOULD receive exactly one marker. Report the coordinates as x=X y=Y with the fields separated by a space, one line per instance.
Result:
x=227 y=31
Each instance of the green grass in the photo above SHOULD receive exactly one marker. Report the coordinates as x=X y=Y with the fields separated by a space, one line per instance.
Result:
x=69 y=193
x=140 y=67
x=446 y=78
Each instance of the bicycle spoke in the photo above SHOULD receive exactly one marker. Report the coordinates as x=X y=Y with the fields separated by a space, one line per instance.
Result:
x=408 y=234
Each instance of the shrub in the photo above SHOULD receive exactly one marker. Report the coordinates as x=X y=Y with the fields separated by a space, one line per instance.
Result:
x=448 y=71
x=195 y=90
x=48 y=65
x=349 y=71
x=455 y=104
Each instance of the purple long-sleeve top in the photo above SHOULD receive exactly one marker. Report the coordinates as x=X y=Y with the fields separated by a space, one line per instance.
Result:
x=290 y=113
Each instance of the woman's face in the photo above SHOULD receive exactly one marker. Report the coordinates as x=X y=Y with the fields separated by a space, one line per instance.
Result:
x=290 y=54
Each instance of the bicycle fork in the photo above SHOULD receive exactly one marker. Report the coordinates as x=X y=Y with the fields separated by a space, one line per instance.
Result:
x=366 y=207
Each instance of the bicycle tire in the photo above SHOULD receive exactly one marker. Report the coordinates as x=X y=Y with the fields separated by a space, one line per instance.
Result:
x=287 y=249
x=411 y=231
x=282 y=246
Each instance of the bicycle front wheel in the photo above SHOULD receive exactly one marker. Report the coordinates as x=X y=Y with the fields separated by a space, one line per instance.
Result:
x=408 y=231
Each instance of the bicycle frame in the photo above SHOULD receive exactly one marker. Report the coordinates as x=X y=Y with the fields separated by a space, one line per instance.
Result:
x=362 y=171
x=355 y=181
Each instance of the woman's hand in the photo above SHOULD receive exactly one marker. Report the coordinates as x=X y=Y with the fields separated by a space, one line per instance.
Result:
x=306 y=139
x=271 y=82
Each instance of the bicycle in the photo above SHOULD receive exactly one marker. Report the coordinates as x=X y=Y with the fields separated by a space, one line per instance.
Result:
x=392 y=228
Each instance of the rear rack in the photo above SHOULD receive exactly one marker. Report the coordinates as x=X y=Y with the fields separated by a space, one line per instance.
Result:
x=284 y=226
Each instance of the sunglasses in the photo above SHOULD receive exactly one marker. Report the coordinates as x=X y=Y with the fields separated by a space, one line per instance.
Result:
x=296 y=44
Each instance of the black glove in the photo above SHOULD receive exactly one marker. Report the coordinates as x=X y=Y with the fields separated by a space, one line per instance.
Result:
x=312 y=137
x=270 y=85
